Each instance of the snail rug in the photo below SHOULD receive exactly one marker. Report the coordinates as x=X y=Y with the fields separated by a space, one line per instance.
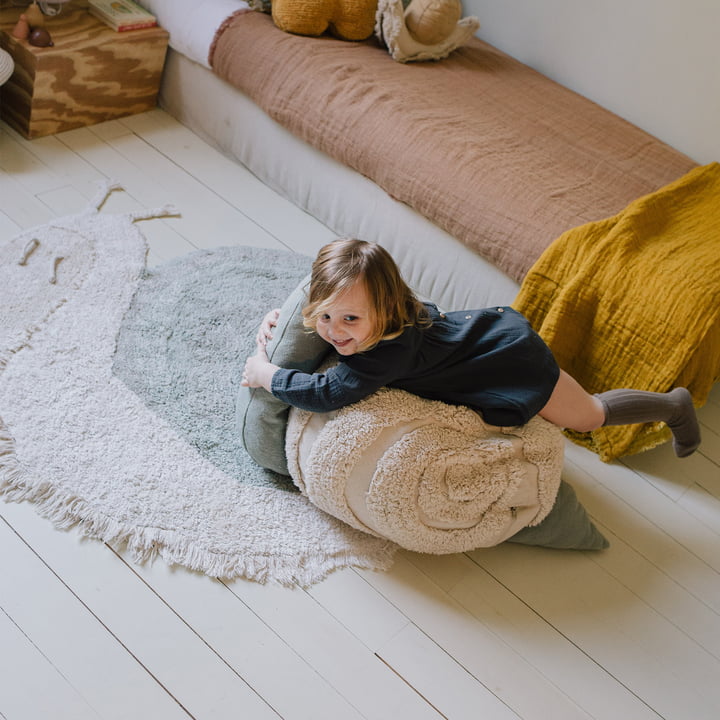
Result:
x=117 y=401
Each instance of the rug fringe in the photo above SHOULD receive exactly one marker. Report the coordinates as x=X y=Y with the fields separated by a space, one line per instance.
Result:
x=146 y=544
x=104 y=188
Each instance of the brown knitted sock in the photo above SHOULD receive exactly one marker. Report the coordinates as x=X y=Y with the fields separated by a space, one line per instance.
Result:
x=625 y=407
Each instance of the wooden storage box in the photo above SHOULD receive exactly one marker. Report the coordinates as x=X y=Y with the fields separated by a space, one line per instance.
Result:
x=90 y=74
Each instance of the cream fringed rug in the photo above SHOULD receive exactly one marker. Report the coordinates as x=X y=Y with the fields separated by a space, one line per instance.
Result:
x=117 y=402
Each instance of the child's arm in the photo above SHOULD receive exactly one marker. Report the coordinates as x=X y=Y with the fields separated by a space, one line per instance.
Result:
x=352 y=379
x=316 y=392
x=270 y=321
x=259 y=370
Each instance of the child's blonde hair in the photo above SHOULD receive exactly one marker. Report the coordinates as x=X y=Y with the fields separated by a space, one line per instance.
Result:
x=343 y=262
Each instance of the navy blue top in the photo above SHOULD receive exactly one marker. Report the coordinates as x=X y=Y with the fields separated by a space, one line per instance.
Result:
x=491 y=360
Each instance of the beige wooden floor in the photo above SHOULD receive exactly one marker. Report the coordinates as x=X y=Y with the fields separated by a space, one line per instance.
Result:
x=513 y=632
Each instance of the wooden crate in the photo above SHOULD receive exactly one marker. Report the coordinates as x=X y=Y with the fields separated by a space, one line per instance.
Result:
x=89 y=75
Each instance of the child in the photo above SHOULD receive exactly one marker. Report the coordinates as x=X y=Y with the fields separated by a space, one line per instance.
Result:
x=490 y=360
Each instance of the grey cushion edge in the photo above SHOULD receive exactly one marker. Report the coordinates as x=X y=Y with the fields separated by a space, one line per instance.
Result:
x=566 y=527
x=261 y=418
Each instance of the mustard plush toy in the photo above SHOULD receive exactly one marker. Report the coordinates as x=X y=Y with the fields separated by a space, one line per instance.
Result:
x=346 y=19
x=425 y=30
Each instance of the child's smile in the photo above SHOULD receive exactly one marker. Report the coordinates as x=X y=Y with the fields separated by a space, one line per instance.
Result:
x=347 y=323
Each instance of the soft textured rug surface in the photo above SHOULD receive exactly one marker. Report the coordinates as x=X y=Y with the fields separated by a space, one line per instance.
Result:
x=117 y=394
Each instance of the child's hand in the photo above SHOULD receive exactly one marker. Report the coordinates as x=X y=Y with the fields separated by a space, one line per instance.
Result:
x=258 y=370
x=264 y=334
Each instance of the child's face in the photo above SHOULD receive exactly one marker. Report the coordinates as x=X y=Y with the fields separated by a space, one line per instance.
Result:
x=348 y=322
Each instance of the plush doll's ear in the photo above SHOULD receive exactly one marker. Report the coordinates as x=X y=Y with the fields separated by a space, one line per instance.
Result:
x=392 y=29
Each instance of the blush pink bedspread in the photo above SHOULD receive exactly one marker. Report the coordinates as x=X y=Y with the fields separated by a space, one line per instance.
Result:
x=491 y=151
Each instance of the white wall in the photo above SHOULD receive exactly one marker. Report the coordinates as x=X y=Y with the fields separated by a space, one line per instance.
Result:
x=654 y=62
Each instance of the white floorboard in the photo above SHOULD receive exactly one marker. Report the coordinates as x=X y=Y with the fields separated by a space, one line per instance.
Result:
x=70 y=641
x=30 y=683
x=503 y=634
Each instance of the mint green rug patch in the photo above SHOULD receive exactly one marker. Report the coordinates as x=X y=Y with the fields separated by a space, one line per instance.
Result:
x=184 y=340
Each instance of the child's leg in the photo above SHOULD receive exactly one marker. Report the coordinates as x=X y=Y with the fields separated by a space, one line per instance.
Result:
x=624 y=407
x=570 y=406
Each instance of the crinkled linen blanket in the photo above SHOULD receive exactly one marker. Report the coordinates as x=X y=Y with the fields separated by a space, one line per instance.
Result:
x=496 y=154
x=634 y=301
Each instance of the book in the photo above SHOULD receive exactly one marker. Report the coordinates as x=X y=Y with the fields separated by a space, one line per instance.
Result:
x=122 y=15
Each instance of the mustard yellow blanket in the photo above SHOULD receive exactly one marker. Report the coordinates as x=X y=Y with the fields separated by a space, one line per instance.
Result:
x=634 y=301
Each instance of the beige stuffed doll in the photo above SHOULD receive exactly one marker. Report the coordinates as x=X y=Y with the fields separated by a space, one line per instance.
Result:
x=426 y=30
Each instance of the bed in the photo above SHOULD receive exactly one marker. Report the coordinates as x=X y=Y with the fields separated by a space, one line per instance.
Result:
x=230 y=79
x=469 y=170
